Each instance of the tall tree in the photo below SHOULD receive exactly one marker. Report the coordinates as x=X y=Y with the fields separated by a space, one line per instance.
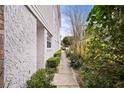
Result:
x=67 y=41
x=75 y=18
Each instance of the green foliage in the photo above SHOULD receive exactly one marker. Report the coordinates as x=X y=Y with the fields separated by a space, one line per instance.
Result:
x=68 y=53
x=67 y=41
x=58 y=54
x=103 y=63
x=43 y=77
x=40 y=79
x=76 y=60
x=50 y=72
x=109 y=75
x=62 y=44
x=53 y=62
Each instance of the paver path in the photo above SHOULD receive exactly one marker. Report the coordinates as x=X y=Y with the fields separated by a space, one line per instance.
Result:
x=65 y=78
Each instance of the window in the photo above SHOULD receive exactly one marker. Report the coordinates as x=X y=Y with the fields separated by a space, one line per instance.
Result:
x=49 y=38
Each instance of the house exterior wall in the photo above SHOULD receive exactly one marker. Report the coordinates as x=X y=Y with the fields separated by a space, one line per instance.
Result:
x=20 y=57
x=54 y=30
x=56 y=26
x=1 y=46
x=49 y=16
x=25 y=44
x=40 y=46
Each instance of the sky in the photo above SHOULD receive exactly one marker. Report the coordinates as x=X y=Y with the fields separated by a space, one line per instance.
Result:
x=65 y=30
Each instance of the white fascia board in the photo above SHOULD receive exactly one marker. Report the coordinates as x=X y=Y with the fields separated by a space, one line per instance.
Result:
x=36 y=11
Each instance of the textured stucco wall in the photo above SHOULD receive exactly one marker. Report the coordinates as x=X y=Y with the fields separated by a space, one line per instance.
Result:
x=25 y=44
x=50 y=16
x=56 y=29
x=40 y=46
x=20 y=47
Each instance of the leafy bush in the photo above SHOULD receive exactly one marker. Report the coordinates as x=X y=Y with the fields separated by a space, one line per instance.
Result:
x=103 y=57
x=58 y=54
x=40 y=79
x=43 y=77
x=50 y=72
x=76 y=60
x=68 y=53
x=53 y=62
x=109 y=75
x=67 y=41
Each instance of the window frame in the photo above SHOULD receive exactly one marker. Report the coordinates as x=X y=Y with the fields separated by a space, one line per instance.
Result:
x=49 y=40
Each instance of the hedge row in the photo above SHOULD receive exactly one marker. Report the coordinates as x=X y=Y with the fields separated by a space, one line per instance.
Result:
x=43 y=77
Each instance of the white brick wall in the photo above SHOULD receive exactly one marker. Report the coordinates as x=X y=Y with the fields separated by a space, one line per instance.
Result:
x=20 y=56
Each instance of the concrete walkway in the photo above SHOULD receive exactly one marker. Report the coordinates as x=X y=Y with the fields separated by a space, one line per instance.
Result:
x=65 y=78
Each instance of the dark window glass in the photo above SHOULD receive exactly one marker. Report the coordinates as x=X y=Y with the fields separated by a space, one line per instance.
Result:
x=49 y=37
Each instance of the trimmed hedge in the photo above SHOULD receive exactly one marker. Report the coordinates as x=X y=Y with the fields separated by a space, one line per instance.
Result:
x=40 y=79
x=53 y=62
x=50 y=72
x=43 y=77
x=57 y=54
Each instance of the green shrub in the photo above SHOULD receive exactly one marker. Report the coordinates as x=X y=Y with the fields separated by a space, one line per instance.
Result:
x=104 y=49
x=40 y=79
x=76 y=61
x=50 y=72
x=110 y=75
x=57 y=54
x=53 y=62
x=68 y=54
